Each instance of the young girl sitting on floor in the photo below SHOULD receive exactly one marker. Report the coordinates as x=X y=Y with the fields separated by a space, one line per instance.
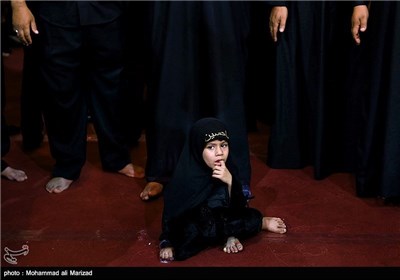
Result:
x=204 y=204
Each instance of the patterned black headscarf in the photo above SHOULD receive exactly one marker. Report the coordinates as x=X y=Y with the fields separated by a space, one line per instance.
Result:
x=204 y=131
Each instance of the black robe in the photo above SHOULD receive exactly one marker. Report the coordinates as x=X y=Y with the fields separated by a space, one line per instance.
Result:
x=312 y=58
x=378 y=169
x=198 y=70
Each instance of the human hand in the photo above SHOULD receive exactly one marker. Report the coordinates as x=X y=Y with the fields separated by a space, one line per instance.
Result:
x=359 y=21
x=277 y=21
x=220 y=171
x=23 y=21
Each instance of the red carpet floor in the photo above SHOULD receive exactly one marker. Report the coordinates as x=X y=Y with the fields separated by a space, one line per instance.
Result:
x=101 y=221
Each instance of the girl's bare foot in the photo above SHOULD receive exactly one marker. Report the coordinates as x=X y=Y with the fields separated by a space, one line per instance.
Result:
x=133 y=171
x=273 y=224
x=233 y=245
x=166 y=254
x=14 y=174
x=58 y=184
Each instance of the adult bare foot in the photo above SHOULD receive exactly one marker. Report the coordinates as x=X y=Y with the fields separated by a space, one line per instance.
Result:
x=273 y=224
x=58 y=184
x=14 y=174
x=233 y=245
x=151 y=190
x=166 y=254
x=133 y=171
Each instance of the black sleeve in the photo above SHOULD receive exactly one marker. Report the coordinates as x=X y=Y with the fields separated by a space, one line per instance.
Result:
x=277 y=3
x=237 y=198
x=358 y=3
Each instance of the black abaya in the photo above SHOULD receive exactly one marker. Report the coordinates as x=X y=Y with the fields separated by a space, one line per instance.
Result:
x=198 y=70
x=198 y=210
x=311 y=61
x=378 y=170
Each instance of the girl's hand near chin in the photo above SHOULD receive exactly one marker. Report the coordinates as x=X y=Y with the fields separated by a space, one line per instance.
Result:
x=220 y=171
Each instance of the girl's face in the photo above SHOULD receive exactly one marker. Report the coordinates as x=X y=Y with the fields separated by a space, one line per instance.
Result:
x=215 y=152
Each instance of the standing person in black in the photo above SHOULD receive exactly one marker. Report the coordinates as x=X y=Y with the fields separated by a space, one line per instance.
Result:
x=376 y=31
x=313 y=46
x=198 y=55
x=32 y=124
x=81 y=63
x=137 y=62
x=7 y=171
